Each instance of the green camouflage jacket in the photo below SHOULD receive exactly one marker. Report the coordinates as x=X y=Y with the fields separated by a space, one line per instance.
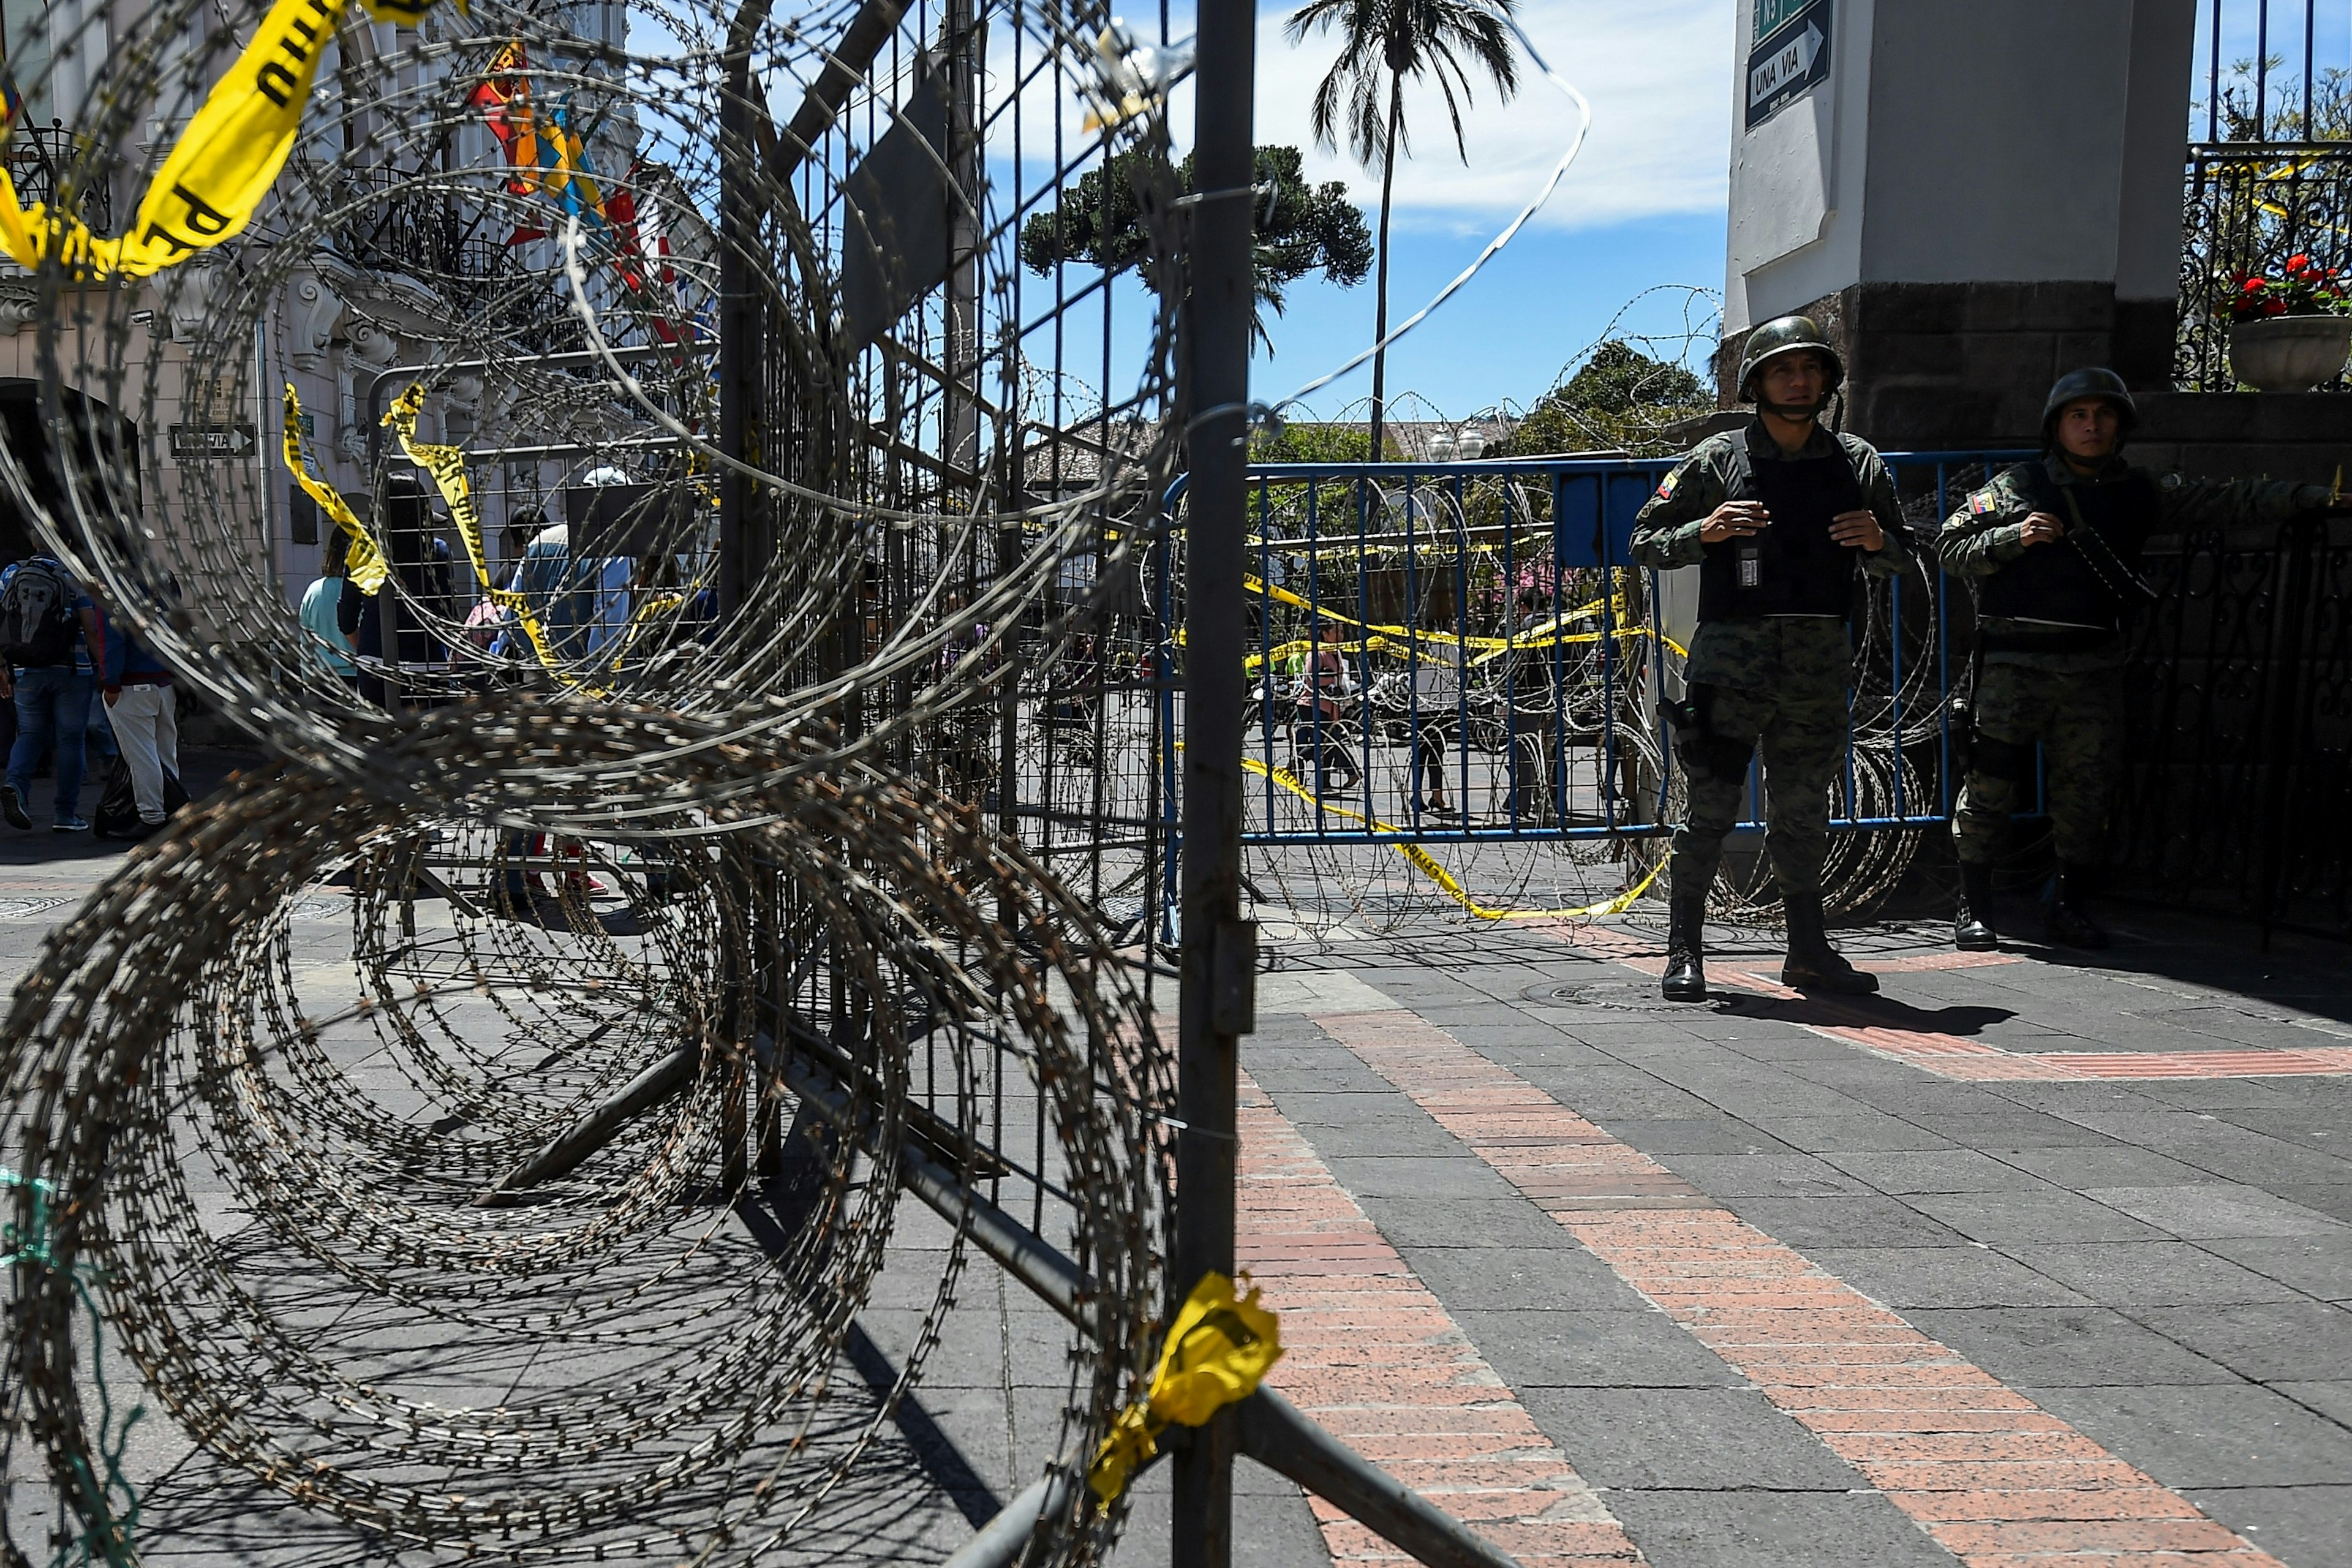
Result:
x=1987 y=532
x=1665 y=532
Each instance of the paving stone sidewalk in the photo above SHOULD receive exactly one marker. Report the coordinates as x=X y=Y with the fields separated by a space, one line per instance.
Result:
x=1782 y=1287
x=2035 y=1259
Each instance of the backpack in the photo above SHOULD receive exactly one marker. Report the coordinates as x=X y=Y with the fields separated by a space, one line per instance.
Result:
x=37 y=617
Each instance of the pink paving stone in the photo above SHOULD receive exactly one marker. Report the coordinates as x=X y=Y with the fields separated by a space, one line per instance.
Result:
x=1891 y=1448
x=1705 y=1269
x=1986 y=1395
x=2245 y=1557
x=2059 y=1503
x=1958 y=1058
x=1442 y=1421
x=1914 y=1422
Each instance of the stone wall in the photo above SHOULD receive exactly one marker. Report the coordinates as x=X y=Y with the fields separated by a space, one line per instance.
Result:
x=1943 y=366
x=2246 y=435
x=1946 y=366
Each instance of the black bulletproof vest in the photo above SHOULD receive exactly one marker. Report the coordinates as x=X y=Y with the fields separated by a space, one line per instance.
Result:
x=2057 y=582
x=1799 y=569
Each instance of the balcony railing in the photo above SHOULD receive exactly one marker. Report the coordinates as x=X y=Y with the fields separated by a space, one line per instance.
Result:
x=2250 y=208
x=38 y=155
x=2271 y=177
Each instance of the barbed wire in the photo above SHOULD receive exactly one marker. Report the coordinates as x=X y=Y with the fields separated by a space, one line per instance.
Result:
x=685 y=904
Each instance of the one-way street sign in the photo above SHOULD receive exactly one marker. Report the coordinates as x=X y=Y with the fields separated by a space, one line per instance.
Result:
x=202 y=443
x=1790 y=61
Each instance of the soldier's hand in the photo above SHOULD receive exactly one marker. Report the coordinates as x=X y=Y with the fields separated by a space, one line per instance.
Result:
x=1734 y=519
x=2041 y=528
x=1859 y=529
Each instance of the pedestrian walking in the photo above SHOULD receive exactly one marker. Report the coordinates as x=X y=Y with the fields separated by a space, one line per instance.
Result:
x=1316 y=702
x=142 y=711
x=1780 y=517
x=1441 y=679
x=47 y=627
x=1530 y=681
x=330 y=611
x=2052 y=548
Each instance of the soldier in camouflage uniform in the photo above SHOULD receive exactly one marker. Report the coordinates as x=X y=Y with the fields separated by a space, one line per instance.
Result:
x=1778 y=517
x=2054 y=548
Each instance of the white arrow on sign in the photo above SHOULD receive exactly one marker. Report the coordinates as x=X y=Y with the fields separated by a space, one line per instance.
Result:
x=1790 y=62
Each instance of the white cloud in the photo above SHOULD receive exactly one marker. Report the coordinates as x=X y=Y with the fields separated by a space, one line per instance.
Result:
x=1658 y=75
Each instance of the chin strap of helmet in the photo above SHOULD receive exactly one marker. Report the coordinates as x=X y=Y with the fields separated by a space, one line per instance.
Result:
x=1792 y=411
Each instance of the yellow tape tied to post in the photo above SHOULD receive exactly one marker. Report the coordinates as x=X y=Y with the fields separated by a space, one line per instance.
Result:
x=223 y=165
x=448 y=466
x=366 y=563
x=1216 y=1351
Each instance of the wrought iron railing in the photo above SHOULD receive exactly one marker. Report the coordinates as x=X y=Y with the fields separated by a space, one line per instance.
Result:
x=2270 y=177
x=2251 y=207
x=399 y=224
x=2237 y=795
x=38 y=155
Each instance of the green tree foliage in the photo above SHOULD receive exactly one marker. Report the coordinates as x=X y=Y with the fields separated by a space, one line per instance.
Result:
x=1301 y=228
x=1314 y=443
x=1620 y=398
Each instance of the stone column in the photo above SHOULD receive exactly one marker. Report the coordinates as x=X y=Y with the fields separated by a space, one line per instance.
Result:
x=1973 y=199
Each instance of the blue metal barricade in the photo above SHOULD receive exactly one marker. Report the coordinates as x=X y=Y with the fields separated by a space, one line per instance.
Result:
x=1465 y=652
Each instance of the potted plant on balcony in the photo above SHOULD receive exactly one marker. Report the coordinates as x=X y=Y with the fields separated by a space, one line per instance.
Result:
x=2291 y=332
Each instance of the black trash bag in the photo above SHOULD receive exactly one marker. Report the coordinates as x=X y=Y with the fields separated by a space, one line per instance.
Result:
x=118 y=803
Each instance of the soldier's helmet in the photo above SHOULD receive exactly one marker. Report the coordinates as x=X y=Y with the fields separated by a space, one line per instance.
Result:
x=1786 y=335
x=2091 y=381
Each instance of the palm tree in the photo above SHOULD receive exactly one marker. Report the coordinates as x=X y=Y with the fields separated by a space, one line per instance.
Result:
x=1387 y=41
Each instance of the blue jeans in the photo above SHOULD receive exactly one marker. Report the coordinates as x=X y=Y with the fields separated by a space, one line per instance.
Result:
x=51 y=704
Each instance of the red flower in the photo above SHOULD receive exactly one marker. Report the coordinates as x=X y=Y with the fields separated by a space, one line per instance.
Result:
x=2254 y=285
x=2273 y=307
x=2298 y=262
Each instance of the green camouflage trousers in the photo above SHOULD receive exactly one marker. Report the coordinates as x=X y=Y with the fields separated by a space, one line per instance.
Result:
x=2077 y=716
x=1780 y=684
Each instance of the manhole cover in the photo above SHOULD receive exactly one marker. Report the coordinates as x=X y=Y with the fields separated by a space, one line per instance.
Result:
x=319 y=909
x=29 y=908
x=1640 y=995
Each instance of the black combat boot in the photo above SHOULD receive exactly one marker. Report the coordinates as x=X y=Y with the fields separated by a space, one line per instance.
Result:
x=1813 y=964
x=1686 y=978
x=2069 y=925
x=1972 y=926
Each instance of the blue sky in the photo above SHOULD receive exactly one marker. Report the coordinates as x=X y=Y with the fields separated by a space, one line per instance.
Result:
x=1642 y=206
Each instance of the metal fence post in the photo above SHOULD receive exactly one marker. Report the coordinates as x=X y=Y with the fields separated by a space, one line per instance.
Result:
x=1213 y=363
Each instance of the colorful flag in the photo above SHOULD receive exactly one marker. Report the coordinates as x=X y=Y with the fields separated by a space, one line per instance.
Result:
x=641 y=253
x=12 y=103
x=572 y=182
x=504 y=97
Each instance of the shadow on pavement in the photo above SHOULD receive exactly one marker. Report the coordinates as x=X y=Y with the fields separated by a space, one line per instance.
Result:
x=1867 y=1012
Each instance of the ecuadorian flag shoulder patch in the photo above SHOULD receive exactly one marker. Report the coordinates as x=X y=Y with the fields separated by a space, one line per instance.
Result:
x=1666 y=486
x=1984 y=502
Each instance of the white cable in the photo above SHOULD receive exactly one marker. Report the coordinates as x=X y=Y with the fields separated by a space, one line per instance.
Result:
x=1575 y=145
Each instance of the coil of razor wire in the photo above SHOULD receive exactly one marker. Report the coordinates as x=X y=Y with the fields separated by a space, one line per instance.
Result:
x=697 y=817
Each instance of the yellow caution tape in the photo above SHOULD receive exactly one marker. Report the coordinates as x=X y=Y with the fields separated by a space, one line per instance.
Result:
x=1423 y=862
x=1215 y=1354
x=221 y=167
x=1545 y=635
x=367 y=567
x=448 y=466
